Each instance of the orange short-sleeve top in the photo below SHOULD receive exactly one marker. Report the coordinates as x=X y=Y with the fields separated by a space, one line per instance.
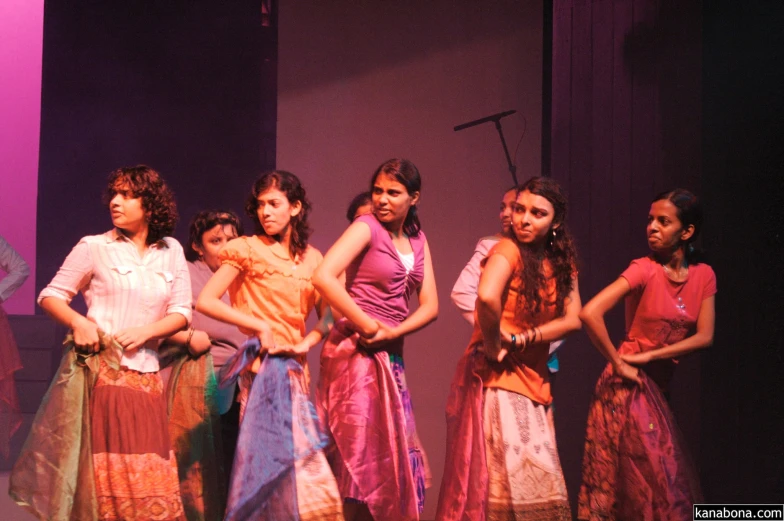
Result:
x=272 y=286
x=524 y=373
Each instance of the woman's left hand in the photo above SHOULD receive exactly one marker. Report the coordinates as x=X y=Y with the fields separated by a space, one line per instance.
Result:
x=132 y=338
x=637 y=358
x=384 y=335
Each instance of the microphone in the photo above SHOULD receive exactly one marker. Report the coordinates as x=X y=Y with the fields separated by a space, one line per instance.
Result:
x=494 y=117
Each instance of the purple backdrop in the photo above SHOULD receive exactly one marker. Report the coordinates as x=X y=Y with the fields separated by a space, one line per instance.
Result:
x=22 y=27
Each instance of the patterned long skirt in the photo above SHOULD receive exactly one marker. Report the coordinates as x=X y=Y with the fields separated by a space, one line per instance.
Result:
x=635 y=465
x=525 y=479
x=135 y=467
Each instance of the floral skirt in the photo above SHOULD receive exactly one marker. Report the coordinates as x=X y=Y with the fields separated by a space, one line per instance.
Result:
x=134 y=465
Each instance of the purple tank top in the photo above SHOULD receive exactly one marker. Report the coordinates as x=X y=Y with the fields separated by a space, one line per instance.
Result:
x=377 y=280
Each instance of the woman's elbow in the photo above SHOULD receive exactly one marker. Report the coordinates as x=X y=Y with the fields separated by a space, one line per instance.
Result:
x=485 y=298
x=575 y=323
x=318 y=279
x=433 y=311
x=586 y=315
x=202 y=304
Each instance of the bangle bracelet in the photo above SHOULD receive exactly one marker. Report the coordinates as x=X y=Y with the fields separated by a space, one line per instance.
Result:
x=514 y=342
x=190 y=335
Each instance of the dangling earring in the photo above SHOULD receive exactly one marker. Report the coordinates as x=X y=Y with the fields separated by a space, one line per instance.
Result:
x=552 y=238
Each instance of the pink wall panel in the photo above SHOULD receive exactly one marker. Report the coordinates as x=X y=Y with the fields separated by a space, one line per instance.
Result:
x=21 y=46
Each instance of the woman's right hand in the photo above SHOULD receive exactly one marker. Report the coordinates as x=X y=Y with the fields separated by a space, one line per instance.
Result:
x=85 y=333
x=265 y=338
x=627 y=372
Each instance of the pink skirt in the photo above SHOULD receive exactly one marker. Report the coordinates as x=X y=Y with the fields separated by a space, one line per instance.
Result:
x=365 y=407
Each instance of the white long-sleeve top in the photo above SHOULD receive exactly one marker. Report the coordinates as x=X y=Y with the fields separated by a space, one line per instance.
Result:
x=124 y=289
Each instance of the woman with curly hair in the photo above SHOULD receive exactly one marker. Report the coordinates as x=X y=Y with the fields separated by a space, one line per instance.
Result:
x=117 y=462
x=280 y=471
x=364 y=400
x=635 y=465
x=503 y=461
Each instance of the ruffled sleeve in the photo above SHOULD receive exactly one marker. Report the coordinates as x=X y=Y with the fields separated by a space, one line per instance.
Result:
x=236 y=253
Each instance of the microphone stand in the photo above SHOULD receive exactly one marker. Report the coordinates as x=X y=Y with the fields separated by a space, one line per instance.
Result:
x=495 y=118
x=512 y=168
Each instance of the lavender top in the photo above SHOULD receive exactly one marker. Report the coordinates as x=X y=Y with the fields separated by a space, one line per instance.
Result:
x=377 y=280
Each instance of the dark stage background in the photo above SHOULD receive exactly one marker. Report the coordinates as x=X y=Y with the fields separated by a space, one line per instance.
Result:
x=625 y=126
x=645 y=95
x=187 y=87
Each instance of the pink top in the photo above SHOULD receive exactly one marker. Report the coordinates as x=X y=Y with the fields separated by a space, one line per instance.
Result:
x=378 y=281
x=661 y=312
x=123 y=289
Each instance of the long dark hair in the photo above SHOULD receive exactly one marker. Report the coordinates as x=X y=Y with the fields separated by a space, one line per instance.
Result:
x=207 y=220
x=290 y=185
x=157 y=198
x=559 y=250
x=689 y=211
x=406 y=173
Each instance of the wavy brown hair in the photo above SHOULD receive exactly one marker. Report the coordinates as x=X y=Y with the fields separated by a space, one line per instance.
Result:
x=291 y=186
x=559 y=250
x=157 y=198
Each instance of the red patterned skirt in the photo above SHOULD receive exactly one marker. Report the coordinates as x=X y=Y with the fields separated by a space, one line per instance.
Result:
x=635 y=465
x=135 y=467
